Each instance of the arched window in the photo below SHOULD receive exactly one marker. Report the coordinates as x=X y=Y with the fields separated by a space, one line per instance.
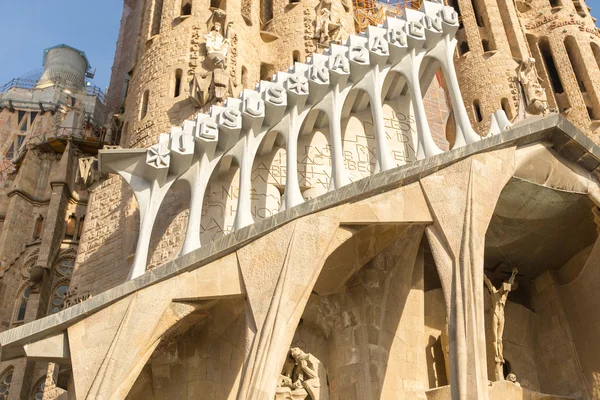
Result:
x=39 y=226
x=71 y=222
x=576 y=62
x=58 y=297
x=22 y=304
x=463 y=48
x=477 y=12
x=144 y=108
x=244 y=77
x=296 y=56
x=266 y=11
x=596 y=51
x=506 y=108
x=186 y=7
x=548 y=58
x=178 y=77
x=156 y=17
x=37 y=393
x=5 y=381
x=477 y=111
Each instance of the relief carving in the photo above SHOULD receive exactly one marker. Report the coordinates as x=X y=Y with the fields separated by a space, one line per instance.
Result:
x=535 y=96
x=499 y=297
x=303 y=377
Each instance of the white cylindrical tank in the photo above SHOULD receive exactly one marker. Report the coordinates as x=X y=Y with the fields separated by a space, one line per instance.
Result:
x=63 y=65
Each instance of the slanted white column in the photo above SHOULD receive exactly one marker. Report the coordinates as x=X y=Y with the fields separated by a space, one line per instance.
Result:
x=253 y=114
x=206 y=135
x=416 y=39
x=445 y=54
x=297 y=94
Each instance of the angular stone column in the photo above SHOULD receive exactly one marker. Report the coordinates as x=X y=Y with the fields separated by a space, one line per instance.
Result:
x=462 y=199
x=279 y=272
x=109 y=348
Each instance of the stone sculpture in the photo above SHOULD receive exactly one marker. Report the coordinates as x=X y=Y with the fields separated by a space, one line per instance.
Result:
x=327 y=30
x=303 y=377
x=216 y=47
x=535 y=95
x=499 y=297
x=513 y=378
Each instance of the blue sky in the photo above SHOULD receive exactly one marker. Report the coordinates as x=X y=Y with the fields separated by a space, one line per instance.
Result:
x=30 y=26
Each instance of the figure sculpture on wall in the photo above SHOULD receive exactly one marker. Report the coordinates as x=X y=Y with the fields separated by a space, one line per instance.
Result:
x=535 y=95
x=499 y=297
x=216 y=47
x=327 y=30
x=303 y=377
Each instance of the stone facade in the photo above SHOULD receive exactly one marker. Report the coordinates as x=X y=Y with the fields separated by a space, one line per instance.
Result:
x=365 y=255
x=496 y=37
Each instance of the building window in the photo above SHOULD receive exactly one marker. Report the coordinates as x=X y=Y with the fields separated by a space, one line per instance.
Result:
x=222 y=4
x=156 y=17
x=478 y=16
x=555 y=3
x=22 y=303
x=58 y=298
x=65 y=266
x=266 y=11
x=186 y=7
x=551 y=70
x=244 y=77
x=5 y=382
x=576 y=62
x=71 y=222
x=178 y=77
x=296 y=56
x=38 y=390
x=266 y=71
x=596 y=51
x=477 y=111
x=505 y=104
x=144 y=108
x=579 y=8
x=39 y=226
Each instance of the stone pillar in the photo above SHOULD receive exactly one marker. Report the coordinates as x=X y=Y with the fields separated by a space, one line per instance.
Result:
x=462 y=199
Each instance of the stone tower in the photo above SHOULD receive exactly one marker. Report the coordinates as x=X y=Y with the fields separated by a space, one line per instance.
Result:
x=170 y=73
x=498 y=38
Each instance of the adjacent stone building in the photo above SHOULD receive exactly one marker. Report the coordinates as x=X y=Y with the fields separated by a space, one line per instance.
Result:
x=496 y=38
x=50 y=132
x=275 y=208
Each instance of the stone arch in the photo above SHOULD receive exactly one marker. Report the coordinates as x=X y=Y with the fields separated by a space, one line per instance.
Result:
x=268 y=175
x=358 y=133
x=168 y=231
x=220 y=200
x=314 y=155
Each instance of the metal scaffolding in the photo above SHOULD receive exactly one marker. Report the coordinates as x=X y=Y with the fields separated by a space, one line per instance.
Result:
x=373 y=12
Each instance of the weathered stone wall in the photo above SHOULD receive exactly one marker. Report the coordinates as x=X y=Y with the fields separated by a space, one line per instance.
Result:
x=512 y=32
x=556 y=359
x=205 y=361
x=581 y=303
